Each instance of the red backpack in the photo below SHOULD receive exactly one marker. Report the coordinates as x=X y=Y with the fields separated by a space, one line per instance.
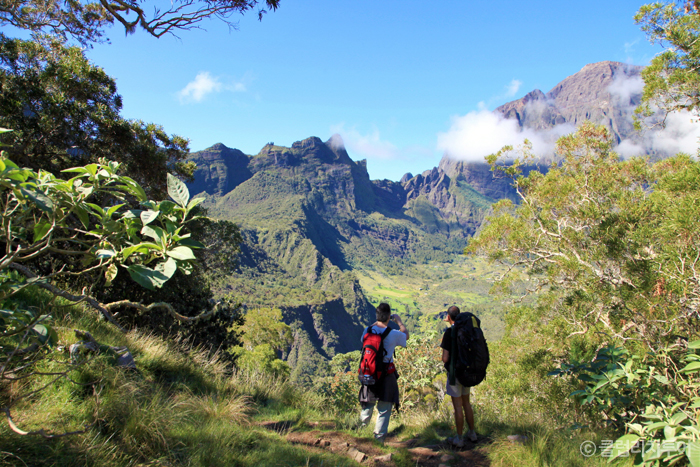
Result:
x=372 y=367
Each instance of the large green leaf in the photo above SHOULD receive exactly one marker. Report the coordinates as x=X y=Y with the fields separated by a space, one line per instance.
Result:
x=134 y=188
x=192 y=243
x=42 y=201
x=194 y=203
x=692 y=452
x=148 y=216
x=181 y=253
x=147 y=277
x=113 y=209
x=178 y=191
x=82 y=215
x=156 y=233
x=691 y=367
x=621 y=446
x=140 y=248
x=168 y=267
x=41 y=229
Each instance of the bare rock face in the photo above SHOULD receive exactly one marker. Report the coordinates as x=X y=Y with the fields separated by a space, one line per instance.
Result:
x=219 y=170
x=605 y=93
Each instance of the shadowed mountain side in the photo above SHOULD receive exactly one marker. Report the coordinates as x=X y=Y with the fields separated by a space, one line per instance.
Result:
x=219 y=170
x=282 y=268
x=311 y=216
x=479 y=177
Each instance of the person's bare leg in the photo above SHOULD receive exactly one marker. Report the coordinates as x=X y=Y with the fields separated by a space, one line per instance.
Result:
x=459 y=416
x=468 y=412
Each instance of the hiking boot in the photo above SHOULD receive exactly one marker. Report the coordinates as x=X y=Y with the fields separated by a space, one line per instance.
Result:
x=379 y=437
x=471 y=436
x=456 y=441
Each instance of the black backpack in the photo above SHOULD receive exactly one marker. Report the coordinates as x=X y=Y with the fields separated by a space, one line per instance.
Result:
x=469 y=355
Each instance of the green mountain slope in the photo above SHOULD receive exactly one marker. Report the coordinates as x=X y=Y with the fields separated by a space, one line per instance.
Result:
x=314 y=224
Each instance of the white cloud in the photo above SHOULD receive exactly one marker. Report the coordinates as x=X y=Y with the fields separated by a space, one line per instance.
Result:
x=513 y=88
x=370 y=146
x=205 y=84
x=680 y=134
x=198 y=89
x=474 y=136
x=630 y=48
x=625 y=88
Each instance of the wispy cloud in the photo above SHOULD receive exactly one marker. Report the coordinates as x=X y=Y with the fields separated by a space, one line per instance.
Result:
x=513 y=88
x=510 y=90
x=370 y=145
x=204 y=84
x=630 y=49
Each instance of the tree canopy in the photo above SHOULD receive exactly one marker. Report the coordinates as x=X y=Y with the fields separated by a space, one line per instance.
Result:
x=610 y=251
x=65 y=112
x=671 y=81
x=87 y=21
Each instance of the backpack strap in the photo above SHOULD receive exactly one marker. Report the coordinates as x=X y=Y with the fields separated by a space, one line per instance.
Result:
x=390 y=367
x=453 y=350
x=384 y=334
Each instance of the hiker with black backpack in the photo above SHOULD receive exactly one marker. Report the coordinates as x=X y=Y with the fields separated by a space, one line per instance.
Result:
x=377 y=372
x=465 y=355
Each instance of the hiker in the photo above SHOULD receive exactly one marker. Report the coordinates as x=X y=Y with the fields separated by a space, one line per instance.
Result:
x=460 y=394
x=385 y=392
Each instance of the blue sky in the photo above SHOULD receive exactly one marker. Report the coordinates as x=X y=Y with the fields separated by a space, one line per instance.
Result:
x=389 y=76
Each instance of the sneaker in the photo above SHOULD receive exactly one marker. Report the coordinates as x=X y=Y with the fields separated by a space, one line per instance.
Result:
x=456 y=441
x=471 y=436
x=379 y=437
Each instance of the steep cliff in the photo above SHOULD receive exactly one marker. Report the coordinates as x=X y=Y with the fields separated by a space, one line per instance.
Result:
x=603 y=92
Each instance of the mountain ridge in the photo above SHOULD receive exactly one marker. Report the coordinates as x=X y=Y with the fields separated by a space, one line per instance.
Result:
x=318 y=222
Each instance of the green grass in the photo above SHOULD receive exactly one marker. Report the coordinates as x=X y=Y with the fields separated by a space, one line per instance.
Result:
x=184 y=407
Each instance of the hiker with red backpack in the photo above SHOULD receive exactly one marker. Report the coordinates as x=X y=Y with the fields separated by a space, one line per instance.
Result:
x=377 y=372
x=466 y=356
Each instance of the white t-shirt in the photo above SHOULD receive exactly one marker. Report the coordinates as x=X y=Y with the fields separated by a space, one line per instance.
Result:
x=392 y=339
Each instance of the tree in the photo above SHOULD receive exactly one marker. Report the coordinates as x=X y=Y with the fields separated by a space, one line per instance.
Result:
x=46 y=220
x=265 y=326
x=608 y=242
x=86 y=21
x=672 y=80
x=65 y=112
x=611 y=248
x=264 y=335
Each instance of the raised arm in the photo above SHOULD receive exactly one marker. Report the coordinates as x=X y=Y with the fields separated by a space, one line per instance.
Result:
x=397 y=319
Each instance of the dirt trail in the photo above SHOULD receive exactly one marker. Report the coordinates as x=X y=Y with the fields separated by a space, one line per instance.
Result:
x=321 y=436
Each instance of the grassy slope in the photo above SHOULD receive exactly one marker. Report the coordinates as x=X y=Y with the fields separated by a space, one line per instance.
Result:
x=184 y=408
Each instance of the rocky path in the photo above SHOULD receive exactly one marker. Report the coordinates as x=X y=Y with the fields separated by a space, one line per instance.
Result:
x=368 y=452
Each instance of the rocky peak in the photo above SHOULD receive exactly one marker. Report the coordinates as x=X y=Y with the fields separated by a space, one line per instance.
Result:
x=219 y=169
x=602 y=92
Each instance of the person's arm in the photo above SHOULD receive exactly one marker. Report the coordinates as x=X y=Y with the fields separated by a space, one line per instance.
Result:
x=402 y=327
x=445 y=355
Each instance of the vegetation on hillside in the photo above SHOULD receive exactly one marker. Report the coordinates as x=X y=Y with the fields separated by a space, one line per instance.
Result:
x=612 y=257
x=601 y=353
